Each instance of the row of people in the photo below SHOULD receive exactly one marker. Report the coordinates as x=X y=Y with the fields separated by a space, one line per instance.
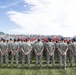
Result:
x=24 y=50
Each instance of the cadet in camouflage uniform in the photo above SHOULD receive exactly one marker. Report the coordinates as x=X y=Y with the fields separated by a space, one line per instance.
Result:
x=63 y=48
x=16 y=52
x=1 y=53
x=70 y=53
x=50 y=47
x=39 y=47
x=4 y=52
x=44 y=51
x=20 y=46
x=74 y=48
x=32 y=51
x=10 y=47
x=26 y=49
x=56 y=51
x=22 y=58
x=1 y=41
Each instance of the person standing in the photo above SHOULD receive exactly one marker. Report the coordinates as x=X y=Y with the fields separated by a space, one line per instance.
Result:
x=63 y=48
x=38 y=47
x=26 y=49
x=50 y=47
x=15 y=53
x=70 y=53
x=74 y=48
x=10 y=49
x=4 y=52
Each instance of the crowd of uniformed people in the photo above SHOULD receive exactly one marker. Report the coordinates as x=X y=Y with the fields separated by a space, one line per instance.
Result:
x=21 y=51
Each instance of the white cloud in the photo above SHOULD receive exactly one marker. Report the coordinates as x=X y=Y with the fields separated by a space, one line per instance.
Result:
x=47 y=17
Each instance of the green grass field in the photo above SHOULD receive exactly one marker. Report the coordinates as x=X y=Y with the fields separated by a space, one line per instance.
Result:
x=33 y=71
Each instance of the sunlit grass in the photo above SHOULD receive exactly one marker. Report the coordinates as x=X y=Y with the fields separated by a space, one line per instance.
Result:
x=33 y=71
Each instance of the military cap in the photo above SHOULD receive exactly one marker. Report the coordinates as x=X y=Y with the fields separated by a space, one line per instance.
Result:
x=4 y=40
x=18 y=39
x=74 y=39
x=38 y=39
x=14 y=39
x=49 y=39
x=1 y=39
x=10 y=39
x=62 y=39
x=27 y=39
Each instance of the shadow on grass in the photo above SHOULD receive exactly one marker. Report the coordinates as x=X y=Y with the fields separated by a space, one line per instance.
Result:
x=32 y=67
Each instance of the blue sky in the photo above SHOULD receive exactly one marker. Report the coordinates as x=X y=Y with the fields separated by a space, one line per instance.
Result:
x=10 y=5
x=44 y=17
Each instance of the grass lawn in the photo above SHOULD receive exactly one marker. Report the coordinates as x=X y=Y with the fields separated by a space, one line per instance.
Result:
x=34 y=71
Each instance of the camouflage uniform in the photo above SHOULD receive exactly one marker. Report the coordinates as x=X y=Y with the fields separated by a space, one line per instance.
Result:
x=74 y=50
x=0 y=52
x=32 y=54
x=38 y=48
x=16 y=52
x=20 y=52
x=32 y=51
x=1 y=56
x=51 y=47
x=10 y=47
x=26 y=47
x=44 y=51
x=70 y=54
x=5 y=52
x=63 y=46
x=56 y=51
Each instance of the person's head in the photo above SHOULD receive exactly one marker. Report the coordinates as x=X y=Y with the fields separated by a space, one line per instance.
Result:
x=27 y=39
x=73 y=39
x=49 y=39
x=1 y=39
x=14 y=40
x=62 y=39
x=56 y=41
x=7 y=40
x=21 y=40
x=10 y=39
x=4 y=40
x=18 y=39
x=38 y=39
